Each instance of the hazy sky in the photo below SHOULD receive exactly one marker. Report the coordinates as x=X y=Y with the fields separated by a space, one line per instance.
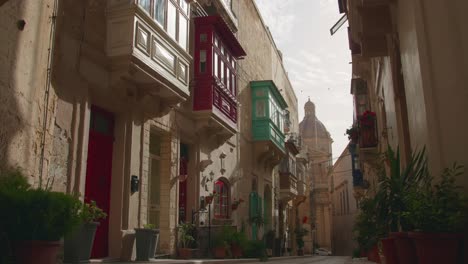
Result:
x=317 y=63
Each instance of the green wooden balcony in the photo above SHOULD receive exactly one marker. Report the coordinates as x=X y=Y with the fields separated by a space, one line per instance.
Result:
x=268 y=117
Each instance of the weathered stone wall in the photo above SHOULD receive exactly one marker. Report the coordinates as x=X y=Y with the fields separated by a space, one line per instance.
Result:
x=25 y=28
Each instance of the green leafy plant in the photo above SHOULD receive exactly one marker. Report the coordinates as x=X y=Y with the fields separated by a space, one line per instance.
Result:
x=186 y=235
x=353 y=133
x=255 y=249
x=394 y=187
x=149 y=226
x=90 y=212
x=439 y=208
x=367 y=229
x=35 y=214
x=300 y=233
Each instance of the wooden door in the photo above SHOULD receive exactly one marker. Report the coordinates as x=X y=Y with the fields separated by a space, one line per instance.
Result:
x=99 y=172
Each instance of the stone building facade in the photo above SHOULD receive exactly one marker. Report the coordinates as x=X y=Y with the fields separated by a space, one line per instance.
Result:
x=101 y=99
x=318 y=141
x=344 y=205
x=409 y=68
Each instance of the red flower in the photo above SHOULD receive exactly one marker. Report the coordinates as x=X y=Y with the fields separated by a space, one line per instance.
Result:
x=304 y=219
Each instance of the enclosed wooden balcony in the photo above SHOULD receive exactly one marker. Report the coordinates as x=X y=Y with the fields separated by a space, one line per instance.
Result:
x=147 y=54
x=215 y=87
x=268 y=118
x=288 y=186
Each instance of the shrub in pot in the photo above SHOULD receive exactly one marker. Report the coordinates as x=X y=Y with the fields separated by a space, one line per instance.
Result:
x=186 y=240
x=220 y=245
x=78 y=244
x=238 y=240
x=438 y=215
x=36 y=221
x=367 y=229
x=146 y=242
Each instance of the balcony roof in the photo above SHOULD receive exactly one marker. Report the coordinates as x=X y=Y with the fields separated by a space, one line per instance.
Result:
x=272 y=87
x=226 y=34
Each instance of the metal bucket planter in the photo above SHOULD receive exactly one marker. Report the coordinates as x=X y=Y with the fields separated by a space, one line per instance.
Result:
x=146 y=243
x=78 y=245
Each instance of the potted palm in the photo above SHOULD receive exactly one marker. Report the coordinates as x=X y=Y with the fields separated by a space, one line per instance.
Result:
x=438 y=215
x=36 y=221
x=186 y=239
x=78 y=244
x=392 y=190
x=146 y=242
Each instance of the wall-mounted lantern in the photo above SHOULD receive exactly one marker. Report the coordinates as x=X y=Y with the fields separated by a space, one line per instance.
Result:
x=134 y=184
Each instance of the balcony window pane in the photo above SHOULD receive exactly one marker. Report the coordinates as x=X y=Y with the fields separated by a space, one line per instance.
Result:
x=215 y=63
x=183 y=23
x=145 y=4
x=228 y=78
x=202 y=61
x=260 y=108
x=171 y=20
x=221 y=69
x=185 y=7
x=159 y=11
x=216 y=41
x=233 y=80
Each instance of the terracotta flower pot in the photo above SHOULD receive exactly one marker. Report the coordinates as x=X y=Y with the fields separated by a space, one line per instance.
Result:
x=373 y=254
x=219 y=252
x=185 y=253
x=389 y=250
x=405 y=248
x=236 y=251
x=435 y=248
x=36 y=252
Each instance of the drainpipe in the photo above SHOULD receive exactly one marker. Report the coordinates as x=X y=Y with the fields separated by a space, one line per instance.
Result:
x=50 y=58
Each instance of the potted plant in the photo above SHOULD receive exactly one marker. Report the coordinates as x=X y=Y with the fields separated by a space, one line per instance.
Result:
x=238 y=239
x=236 y=203
x=300 y=233
x=368 y=229
x=36 y=220
x=78 y=244
x=353 y=133
x=392 y=190
x=146 y=242
x=220 y=245
x=438 y=215
x=186 y=239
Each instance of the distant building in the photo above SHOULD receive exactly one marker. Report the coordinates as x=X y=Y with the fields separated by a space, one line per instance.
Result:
x=344 y=205
x=318 y=141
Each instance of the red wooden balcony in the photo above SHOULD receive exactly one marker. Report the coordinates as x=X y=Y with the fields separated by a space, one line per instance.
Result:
x=215 y=88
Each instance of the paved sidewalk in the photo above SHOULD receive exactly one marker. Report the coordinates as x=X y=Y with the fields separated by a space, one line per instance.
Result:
x=289 y=259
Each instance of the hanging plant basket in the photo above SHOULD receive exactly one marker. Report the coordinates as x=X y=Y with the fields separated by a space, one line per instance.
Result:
x=209 y=199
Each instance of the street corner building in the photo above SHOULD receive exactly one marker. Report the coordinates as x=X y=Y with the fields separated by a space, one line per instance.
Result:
x=163 y=112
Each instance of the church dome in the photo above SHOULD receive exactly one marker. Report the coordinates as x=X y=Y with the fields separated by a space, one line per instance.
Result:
x=310 y=126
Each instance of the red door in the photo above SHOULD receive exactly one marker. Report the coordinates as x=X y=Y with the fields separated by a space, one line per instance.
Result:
x=98 y=173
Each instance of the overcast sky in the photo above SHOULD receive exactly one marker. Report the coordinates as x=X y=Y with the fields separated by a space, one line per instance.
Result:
x=317 y=63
